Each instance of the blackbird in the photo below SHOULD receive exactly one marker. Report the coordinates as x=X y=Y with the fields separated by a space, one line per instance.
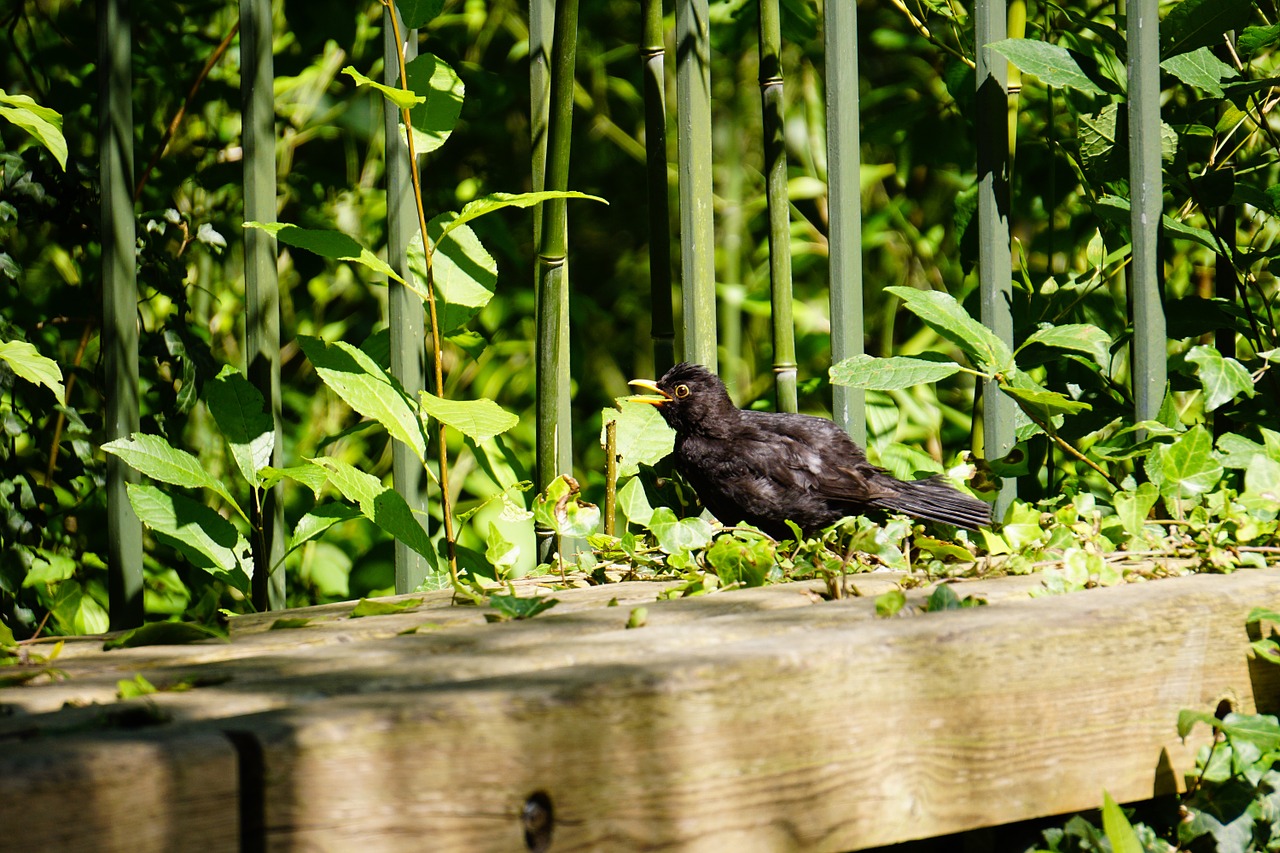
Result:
x=766 y=467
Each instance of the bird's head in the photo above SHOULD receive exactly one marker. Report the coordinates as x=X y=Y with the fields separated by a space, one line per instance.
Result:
x=689 y=397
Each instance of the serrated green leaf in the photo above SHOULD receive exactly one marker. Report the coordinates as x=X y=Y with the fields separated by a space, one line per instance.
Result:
x=476 y=419
x=27 y=362
x=1193 y=24
x=320 y=519
x=1254 y=39
x=205 y=538
x=41 y=122
x=333 y=245
x=364 y=386
x=643 y=436
x=1200 y=68
x=942 y=313
x=1054 y=65
x=1079 y=337
x=435 y=118
x=163 y=634
x=241 y=415
x=380 y=504
x=1223 y=378
x=308 y=475
x=1038 y=401
x=497 y=201
x=464 y=272
x=889 y=374
x=403 y=99
x=418 y=13
x=370 y=607
x=155 y=457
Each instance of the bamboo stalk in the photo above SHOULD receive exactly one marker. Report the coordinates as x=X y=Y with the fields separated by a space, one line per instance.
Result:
x=1145 y=188
x=844 y=197
x=653 y=55
x=775 y=167
x=262 y=287
x=994 y=260
x=119 y=309
x=697 y=227
x=404 y=308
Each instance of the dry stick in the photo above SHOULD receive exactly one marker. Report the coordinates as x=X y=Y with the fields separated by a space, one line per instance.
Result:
x=182 y=110
x=427 y=251
x=61 y=422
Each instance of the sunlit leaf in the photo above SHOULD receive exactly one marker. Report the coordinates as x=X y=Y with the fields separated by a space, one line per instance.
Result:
x=1223 y=378
x=944 y=315
x=328 y=244
x=155 y=457
x=1079 y=337
x=205 y=538
x=497 y=201
x=643 y=437
x=402 y=98
x=1054 y=65
x=39 y=121
x=383 y=506
x=1200 y=68
x=889 y=374
x=476 y=419
x=435 y=118
x=372 y=607
x=318 y=520
x=241 y=414
x=27 y=362
x=1188 y=466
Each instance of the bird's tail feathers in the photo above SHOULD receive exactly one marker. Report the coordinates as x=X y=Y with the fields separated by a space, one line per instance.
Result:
x=934 y=500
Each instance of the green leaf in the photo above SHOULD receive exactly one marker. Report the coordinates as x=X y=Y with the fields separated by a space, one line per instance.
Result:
x=204 y=537
x=1078 y=337
x=1117 y=828
x=497 y=201
x=889 y=374
x=476 y=419
x=1193 y=24
x=308 y=475
x=638 y=617
x=643 y=437
x=1262 y=484
x=1188 y=466
x=890 y=603
x=1254 y=39
x=153 y=456
x=132 y=688
x=515 y=607
x=743 y=563
x=364 y=386
x=41 y=122
x=320 y=519
x=287 y=623
x=464 y=272
x=381 y=505
x=1038 y=401
x=634 y=503
x=678 y=534
x=333 y=245
x=27 y=362
x=163 y=634
x=1200 y=68
x=1054 y=65
x=560 y=509
x=402 y=98
x=370 y=607
x=1223 y=378
x=944 y=315
x=241 y=414
x=48 y=567
x=1133 y=507
x=418 y=13
x=433 y=119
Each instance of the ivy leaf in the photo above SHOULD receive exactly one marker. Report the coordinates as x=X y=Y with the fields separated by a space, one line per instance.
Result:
x=476 y=419
x=1262 y=484
x=514 y=607
x=890 y=603
x=1189 y=466
x=26 y=361
x=678 y=534
x=153 y=456
x=1054 y=65
x=333 y=245
x=643 y=436
x=1223 y=378
x=634 y=503
x=364 y=386
x=205 y=538
x=1134 y=507
x=241 y=415
x=433 y=119
x=942 y=313
x=560 y=509
x=889 y=374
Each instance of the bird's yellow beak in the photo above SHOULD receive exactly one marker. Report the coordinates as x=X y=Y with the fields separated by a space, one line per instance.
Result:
x=648 y=385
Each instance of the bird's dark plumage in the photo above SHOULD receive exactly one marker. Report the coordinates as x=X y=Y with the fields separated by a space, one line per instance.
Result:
x=764 y=468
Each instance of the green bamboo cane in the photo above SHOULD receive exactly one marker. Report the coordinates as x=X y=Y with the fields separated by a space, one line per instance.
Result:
x=697 y=226
x=1145 y=189
x=994 y=260
x=775 y=167
x=404 y=308
x=262 y=288
x=119 y=306
x=554 y=434
x=653 y=54
x=732 y=290
x=844 y=197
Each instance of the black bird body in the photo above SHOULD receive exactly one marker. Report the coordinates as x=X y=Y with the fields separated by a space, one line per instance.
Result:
x=764 y=468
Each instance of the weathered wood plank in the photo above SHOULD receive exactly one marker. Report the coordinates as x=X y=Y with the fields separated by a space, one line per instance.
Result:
x=121 y=792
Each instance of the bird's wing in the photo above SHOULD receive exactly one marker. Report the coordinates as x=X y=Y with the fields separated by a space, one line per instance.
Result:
x=815 y=455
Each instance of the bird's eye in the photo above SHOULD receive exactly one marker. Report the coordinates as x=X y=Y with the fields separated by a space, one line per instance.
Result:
x=682 y=391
